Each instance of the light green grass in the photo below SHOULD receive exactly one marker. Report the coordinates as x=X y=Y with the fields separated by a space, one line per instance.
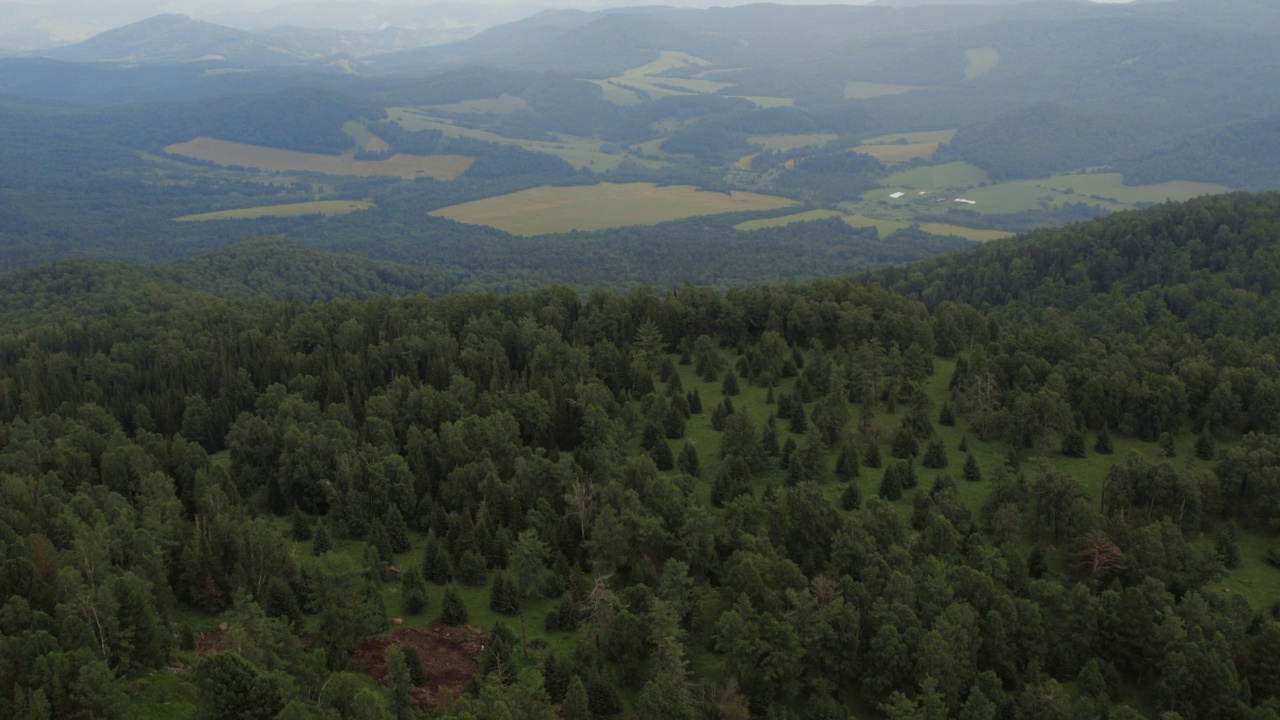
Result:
x=805 y=216
x=980 y=61
x=884 y=226
x=862 y=90
x=929 y=136
x=319 y=207
x=783 y=143
x=935 y=177
x=549 y=209
x=160 y=695
x=504 y=104
x=1254 y=579
x=1007 y=198
x=1111 y=185
x=968 y=233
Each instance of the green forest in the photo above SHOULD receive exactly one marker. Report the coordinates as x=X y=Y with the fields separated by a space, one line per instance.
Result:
x=1038 y=478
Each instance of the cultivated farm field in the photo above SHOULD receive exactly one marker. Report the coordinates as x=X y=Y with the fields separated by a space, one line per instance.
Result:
x=406 y=167
x=318 y=207
x=550 y=209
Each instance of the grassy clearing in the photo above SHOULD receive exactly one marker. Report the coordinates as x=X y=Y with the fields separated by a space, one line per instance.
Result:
x=549 y=209
x=862 y=90
x=896 y=153
x=965 y=232
x=980 y=61
x=786 y=220
x=319 y=207
x=616 y=94
x=783 y=143
x=578 y=152
x=1007 y=198
x=886 y=227
x=407 y=167
x=933 y=177
x=745 y=162
x=504 y=104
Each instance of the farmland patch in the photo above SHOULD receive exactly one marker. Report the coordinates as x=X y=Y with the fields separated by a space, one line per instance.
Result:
x=319 y=207
x=226 y=153
x=549 y=209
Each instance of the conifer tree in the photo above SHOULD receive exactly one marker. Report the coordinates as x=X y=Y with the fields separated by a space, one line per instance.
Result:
x=1204 y=444
x=695 y=402
x=730 y=385
x=947 y=416
x=435 y=562
x=971 y=471
x=904 y=443
x=1102 y=445
x=576 y=706
x=453 y=611
x=871 y=458
x=413 y=591
x=688 y=460
x=847 y=463
x=891 y=483
x=301 y=530
x=851 y=498
x=322 y=543
x=662 y=456
x=799 y=422
x=935 y=456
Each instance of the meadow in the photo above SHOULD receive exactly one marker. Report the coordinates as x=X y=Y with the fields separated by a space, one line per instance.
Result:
x=318 y=207
x=863 y=90
x=549 y=209
x=405 y=167
x=783 y=143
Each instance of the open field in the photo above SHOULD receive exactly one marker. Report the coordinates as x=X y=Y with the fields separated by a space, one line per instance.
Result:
x=980 y=62
x=786 y=220
x=319 y=207
x=940 y=137
x=501 y=105
x=965 y=232
x=886 y=227
x=549 y=209
x=1111 y=185
x=223 y=152
x=783 y=143
x=616 y=94
x=365 y=139
x=1008 y=198
x=896 y=153
x=578 y=152
x=862 y=90
x=948 y=175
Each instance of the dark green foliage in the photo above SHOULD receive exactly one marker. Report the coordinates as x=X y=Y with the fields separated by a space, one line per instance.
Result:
x=891 y=484
x=720 y=416
x=1037 y=562
x=730 y=385
x=731 y=481
x=851 y=498
x=1205 y=445
x=1166 y=445
x=769 y=438
x=602 y=697
x=281 y=602
x=675 y=422
x=472 y=569
x=847 y=465
x=453 y=611
x=871 y=457
x=904 y=444
x=788 y=450
x=662 y=456
x=503 y=598
x=322 y=543
x=228 y=687
x=935 y=456
x=688 y=460
x=435 y=562
x=947 y=415
x=964 y=444
x=798 y=424
x=397 y=531
x=1102 y=445
x=413 y=591
x=413 y=662
x=564 y=618
x=301 y=530
x=972 y=472
x=576 y=701
x=1073 y=444
x=695 y=402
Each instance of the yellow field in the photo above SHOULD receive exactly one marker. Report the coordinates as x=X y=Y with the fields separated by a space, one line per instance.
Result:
x=786 y=220
x=744 y=162
x=549 y=209
x=223 y=152
x=501 y=105
x=980 y=62
x=861 y=90
x=320 y=207
x=964 y=232
x=893 y=153
x=783 y=143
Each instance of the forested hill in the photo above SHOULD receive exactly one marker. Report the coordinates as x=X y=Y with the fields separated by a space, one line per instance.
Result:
x=1035 y=481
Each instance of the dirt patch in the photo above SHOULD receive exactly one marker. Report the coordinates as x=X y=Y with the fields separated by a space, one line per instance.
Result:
x=448 y=658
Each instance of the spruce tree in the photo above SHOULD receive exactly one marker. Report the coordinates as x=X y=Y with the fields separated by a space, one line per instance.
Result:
x=662 y=456
x=301 y=530
x=935 y=456
x=769 y=438
x=453 y=611
x=576 y=705
x=397 y=530
x=1102 y=445
x=972 y=472
x=322 y=543
x=847 y=463
x=871 y=458
x=502 y=596
x=851 y=498
x=413 y=591
x=730 y=385
x=1204 y=444
x=947 y=416
x=435 y=562
x=891 y=483
x=1073 y=444
x=799 y=422
x=695 y=402
x=413 y=662
x=688 y=461
x=904 y=443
